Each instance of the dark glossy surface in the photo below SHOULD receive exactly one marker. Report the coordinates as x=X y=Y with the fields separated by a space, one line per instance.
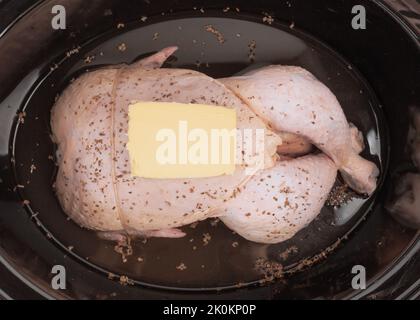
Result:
x=218 y=264
x=376 y=243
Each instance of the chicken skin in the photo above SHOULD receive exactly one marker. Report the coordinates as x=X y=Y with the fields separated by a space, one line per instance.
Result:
x=279 y=201
x=291 y=99
x=94 y=182
x=295 y=111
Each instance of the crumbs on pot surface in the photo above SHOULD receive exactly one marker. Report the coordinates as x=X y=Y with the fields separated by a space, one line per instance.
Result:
x=124 y=280
x=89 y=59
x=122 y=47
x=32 y=168
x=269 y=269
x=339 y=195
x=73 y=51
x=21 y=116
x=181 y=267
x=124 y=248
x=219 y=36
x=286 y=253
x=206 y=238
x=267 y=18
x=252 y=47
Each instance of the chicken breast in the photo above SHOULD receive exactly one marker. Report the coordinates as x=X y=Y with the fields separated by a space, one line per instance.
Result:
x=291 y=99
x=94 y=183
x=80 y=122
x=278 y=202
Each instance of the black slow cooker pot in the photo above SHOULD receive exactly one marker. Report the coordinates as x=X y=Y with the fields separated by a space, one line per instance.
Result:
x=373 y=68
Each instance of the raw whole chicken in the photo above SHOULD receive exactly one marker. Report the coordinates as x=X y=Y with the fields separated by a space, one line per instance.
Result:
x=95 y=187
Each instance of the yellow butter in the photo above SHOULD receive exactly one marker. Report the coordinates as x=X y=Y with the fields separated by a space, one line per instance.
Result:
x=175 y=140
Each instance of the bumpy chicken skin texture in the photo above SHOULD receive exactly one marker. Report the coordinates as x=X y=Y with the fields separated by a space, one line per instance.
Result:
x=95 y=187
x=173 y=202
x=291 y=99
x=90 y=124
x=80 y=122
x=279 y=201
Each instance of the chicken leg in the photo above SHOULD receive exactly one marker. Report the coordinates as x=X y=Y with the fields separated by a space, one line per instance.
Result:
x=291 y=99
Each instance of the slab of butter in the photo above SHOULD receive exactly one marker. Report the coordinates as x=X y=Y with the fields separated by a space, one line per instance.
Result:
x=169 y=140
